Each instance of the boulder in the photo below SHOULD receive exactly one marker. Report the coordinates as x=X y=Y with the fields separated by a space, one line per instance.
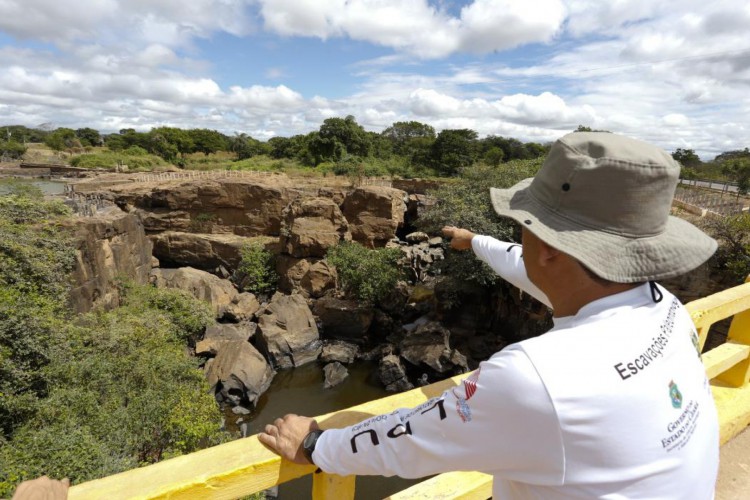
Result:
x=109 y=246
x=393 y=375
x=320 y=278
x=204 y=251
x=427 y=345
x=239 y=373
x=335 y=373
x=310 y=226
x=242 y=308
x=310 y=277
x=374 y=213
x=347 y=319
x=219 y=293
x=287 y=332
x=218 y=335
x=337 y=350
x=417 y=237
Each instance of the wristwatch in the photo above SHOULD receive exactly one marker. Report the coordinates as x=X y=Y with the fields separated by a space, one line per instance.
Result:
x=308 y=444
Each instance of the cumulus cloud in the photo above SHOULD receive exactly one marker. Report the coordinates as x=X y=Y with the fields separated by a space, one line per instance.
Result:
x=417 y=26
x=674 y=72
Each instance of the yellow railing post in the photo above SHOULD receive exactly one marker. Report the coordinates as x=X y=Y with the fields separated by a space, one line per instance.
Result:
x=332 y=487
x=739 y=333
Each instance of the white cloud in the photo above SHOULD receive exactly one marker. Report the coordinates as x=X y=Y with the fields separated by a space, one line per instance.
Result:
x=417 y=26
x=673 y=72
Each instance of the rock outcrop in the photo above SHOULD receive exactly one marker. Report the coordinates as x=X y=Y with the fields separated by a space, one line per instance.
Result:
x=109 y=246
x=207 y=252
x=335 y=373
x=310 y=226
x=393 y=375
x=428 y=345
x=238 y=374
x=337 y=350
x=310 y=277
x=343 y=319
x=246 y=207
x=287 y=332
x=219 y=293
x=374 y=214
x=218 y=335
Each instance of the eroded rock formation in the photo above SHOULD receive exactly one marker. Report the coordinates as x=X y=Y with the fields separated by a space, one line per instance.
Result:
x=110 y=246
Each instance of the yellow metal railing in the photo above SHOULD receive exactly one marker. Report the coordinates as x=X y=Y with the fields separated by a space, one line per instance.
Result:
x=244 y=466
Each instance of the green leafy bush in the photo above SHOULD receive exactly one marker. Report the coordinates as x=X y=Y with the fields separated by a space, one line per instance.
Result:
x=100 y=393
x=368 y=275
x=733 y=232
x=256 y=272
x=12 y=149
x=36 y=257
x=465 y=202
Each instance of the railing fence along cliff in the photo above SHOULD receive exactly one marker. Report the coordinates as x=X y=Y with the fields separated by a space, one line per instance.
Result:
x=203 y=174
x=713 y=202
x=244 y=466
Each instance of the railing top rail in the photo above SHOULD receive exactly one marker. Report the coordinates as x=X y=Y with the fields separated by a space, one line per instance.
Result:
x=240 y=467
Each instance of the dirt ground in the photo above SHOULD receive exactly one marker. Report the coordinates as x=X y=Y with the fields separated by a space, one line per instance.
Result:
x=734 y=469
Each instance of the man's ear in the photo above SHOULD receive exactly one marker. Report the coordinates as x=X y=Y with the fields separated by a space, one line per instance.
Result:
x=547 y=254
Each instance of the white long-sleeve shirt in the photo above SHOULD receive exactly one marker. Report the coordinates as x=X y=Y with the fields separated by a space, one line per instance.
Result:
x=611 y=403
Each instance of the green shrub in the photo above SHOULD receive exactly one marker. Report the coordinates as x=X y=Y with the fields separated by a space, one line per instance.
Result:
x=12 y=149
x=465 y=202
x=36 y=257
x=733 y=234
x=256 y=272
x=100 y=393
x=368 y=275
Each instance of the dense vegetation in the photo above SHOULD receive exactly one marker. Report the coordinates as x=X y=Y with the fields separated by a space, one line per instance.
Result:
x=82 y=397
x=340 y=146
x=465 y=202
x=369 y=275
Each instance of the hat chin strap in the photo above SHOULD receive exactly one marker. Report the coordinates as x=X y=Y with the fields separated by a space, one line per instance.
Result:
x=656 y=294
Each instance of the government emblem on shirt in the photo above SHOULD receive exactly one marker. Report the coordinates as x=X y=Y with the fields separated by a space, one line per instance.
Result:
x=675 y=395
x=463 y=410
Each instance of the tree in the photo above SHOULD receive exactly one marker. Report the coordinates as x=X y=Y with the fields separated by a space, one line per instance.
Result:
x=61 y=139
x=89 y=136
x=167 y=142
x=338 y=137
x=245 y=146
x=738 y=171
x=454 y=149
x=402 y=135
x=494 y=156
x=687 y=157
x=208 y=141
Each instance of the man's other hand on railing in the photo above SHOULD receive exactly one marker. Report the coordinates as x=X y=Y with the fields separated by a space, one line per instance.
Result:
x=42 y=488
x=285 y=436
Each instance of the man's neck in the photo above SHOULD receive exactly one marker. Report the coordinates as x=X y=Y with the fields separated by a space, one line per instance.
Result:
x=568 y=303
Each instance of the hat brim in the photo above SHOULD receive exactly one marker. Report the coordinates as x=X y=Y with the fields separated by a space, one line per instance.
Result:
x=680 y=248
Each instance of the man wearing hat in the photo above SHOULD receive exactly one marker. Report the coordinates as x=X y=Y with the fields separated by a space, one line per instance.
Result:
x=613 y=401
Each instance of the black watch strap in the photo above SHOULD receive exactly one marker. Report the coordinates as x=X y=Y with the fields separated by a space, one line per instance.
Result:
x=308 y=444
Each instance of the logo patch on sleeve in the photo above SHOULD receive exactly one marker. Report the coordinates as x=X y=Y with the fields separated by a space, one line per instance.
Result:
x=463 y=410
x=469 y=386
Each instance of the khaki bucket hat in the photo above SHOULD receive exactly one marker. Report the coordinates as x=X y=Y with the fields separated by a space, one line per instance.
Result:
x=604 y=199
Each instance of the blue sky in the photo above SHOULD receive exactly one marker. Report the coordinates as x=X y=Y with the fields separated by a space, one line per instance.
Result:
x=676 y=73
